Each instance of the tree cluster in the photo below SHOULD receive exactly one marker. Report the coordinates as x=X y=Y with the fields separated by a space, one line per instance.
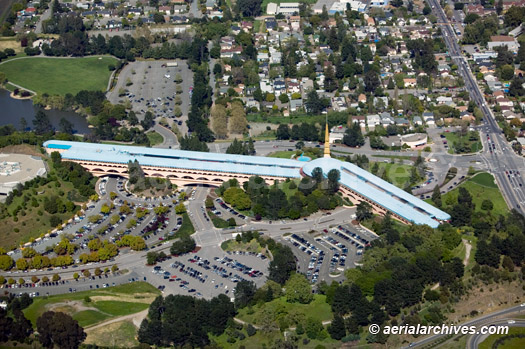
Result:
x=185 y=321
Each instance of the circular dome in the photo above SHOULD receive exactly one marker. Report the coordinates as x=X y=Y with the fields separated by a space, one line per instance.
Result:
x=326 y=164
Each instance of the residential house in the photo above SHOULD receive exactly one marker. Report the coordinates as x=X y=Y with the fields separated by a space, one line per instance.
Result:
x=502 y=40
x=166 y=9
x=296 y=104
x=409 y=82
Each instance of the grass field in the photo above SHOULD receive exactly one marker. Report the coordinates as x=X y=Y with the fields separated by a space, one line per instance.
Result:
x=217 y=221
x=484 y=179
x=105 y=303
x=481 y=187
x=317 y=309
x=154 y=138
x=187 y=228
x=453 y=137
x=515 y=343
x=283 y=154
x=59 y=75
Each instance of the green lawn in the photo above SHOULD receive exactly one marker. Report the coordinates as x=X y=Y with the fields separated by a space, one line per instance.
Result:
x=484 y=179
x=187 y=228
x=117 y=308
x=89 y=317
x=217 y=221
x=479 y=193
x=454 y=137
x=93 y=312
x=317 y=309
x=59 y=76
x=154 y=138
x=283 y=154
x=515 y=343
x=286 y=187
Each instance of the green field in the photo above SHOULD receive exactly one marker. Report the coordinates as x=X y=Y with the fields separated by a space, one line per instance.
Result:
x=481 y=187
x=283 y=154
x=217 y=221
x=59 y=75
x=484 y=179
x=515 y=343
x=154 y=138
x=187 y=228
x=454 y=137
x=105 y=303
x=317 y=309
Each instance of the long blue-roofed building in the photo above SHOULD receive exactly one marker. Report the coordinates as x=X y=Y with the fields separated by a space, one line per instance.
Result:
x=189 y=168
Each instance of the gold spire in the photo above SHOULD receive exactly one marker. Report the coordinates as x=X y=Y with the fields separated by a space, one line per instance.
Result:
x=327 y=142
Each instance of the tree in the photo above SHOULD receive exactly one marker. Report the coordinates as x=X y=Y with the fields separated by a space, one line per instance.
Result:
x=371 y=80
x=244 y=292
x=282 y=265
x=66 y=126
x=184 y=245
x=353 y=136
x=337 y=328
x=283 y=132
x=22 y=327
x=59 y=329
x=283 y=97
x=6 y=262
x=499 y=7
x=487 y=205
x=249 y=8
x=363 y=211
x=507 y=72
x=41 y=123
x=436 y=196
x=237 y=121
x=313 y=104
x=298 y=290
x=219 y=121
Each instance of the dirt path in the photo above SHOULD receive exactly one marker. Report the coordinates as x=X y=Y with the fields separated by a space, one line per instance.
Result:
x=468 y=247
x=136 y=319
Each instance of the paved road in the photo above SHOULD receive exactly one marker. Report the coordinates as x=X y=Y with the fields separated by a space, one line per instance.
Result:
x=45 y=16
x=500 y=158
x=475 y=340
x=478 y=322
x=170 y=140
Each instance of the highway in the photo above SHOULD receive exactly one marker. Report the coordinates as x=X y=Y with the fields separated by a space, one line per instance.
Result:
x=484 y=320
x=501 y=159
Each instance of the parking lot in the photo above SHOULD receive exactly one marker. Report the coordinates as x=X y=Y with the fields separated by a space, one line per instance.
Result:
x=153 y=88
x=326 y=254
x=208 y=272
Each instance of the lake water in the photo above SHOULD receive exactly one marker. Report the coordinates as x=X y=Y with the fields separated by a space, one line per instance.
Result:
x=13 y=110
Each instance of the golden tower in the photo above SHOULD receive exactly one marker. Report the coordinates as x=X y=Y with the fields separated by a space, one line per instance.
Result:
x=326 y=142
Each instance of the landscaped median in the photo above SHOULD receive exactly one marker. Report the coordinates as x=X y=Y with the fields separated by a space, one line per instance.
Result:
x=58 y=76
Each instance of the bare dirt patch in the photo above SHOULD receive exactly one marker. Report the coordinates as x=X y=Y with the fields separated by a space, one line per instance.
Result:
x=117 y=334
x=69 y=307
x=21 y=149
x=137 y=298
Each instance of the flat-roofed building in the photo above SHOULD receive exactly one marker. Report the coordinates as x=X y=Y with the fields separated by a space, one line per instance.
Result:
x=190 y=168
